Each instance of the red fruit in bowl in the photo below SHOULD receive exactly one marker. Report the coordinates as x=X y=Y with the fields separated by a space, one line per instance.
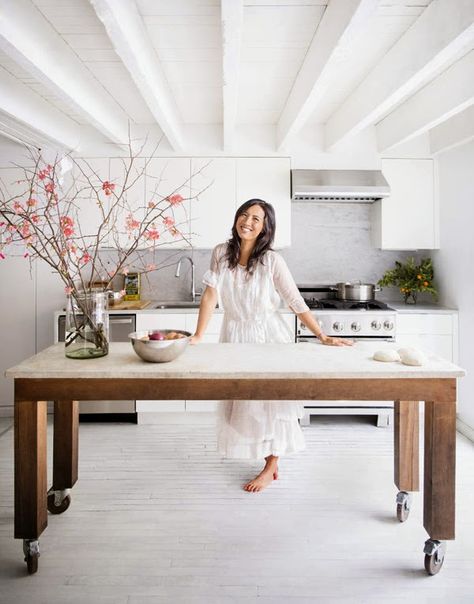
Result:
x=156 y=335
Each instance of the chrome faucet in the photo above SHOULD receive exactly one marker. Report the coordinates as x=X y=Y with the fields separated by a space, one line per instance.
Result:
x=193 y=284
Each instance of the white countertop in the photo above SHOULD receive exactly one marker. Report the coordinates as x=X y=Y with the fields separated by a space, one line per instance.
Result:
x=217 y=361
x=427 y=308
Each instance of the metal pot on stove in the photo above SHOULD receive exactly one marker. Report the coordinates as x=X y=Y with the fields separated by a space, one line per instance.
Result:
x=357 y=291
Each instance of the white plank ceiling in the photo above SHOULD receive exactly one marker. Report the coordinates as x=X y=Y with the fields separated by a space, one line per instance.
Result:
x=287 y=64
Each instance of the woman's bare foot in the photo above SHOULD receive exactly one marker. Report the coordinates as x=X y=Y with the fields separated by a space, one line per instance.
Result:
x=266 y=476
x=261 y=481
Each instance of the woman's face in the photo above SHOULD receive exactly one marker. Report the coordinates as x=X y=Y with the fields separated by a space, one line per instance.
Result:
x=250 y=223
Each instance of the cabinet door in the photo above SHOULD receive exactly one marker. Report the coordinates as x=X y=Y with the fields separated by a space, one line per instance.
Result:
x=132 y=200
x=267 y=179
x=212 y=212
x=431 y=332
x=407 y=219
x=166 y=177
x=88 y=172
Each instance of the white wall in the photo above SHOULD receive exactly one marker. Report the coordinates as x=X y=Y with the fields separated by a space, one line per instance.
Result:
x=454 y=261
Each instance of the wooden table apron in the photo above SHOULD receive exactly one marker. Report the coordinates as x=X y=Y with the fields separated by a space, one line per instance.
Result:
x=439 y=395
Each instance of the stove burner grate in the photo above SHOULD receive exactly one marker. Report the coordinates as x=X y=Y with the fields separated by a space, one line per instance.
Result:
x=327 y=303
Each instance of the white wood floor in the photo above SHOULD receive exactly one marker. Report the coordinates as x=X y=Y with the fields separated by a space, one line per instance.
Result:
x=158 y=517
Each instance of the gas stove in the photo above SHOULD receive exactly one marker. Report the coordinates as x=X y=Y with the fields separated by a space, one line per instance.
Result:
x=372 y=320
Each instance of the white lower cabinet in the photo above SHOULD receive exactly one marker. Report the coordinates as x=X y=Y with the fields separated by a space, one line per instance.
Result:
x=432 y=332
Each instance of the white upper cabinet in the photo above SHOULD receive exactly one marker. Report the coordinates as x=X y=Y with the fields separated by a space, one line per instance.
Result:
x=130 y=185
x=212 y=211
x=267 y=179
x=166 y=177
x=92 y=210
x=408 y=219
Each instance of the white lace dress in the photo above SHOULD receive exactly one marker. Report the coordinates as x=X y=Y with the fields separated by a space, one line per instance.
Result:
x=256 y=429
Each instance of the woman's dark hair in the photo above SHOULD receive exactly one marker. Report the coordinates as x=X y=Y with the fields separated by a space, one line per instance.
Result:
x=264 y=240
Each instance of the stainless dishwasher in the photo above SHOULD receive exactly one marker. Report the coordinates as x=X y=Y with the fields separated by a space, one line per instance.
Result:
x=119 y=328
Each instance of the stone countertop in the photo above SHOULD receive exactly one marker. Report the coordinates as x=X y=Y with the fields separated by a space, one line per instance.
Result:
x=427 y=308
x=218 y=361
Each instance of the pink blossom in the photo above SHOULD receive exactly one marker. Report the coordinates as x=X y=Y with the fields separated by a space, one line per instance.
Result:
x=131 y=223
x=35 y=218
x=49 y=187
x=151 y=234
x=151 y=205
x=11 y=228
x=2 y=256
x=168 y=221
x=25 y=255
x=18 y=208
x=150 y=267
x=108 y=187
x=68 y=290
x=31 y=203
x=2 y=224
x=175 y=199
x=25 y=229
x=125 y=271
x=42 y=174
x=85 y=258
x=67 y=225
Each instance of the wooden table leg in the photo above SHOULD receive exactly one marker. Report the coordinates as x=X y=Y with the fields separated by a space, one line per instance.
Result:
x=440 y=469
x=31 y=516
x=65 y=444
x=406 y=445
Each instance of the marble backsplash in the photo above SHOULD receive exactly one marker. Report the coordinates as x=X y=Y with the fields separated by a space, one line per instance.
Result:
x=331 y=243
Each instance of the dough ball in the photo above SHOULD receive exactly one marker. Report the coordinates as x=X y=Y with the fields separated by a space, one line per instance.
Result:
x=411 y=356
x=388 y=355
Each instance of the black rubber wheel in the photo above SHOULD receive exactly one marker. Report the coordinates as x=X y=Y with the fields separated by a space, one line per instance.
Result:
x=433 y=564
x=32 y=563
x=402 y=512
x=58 y=509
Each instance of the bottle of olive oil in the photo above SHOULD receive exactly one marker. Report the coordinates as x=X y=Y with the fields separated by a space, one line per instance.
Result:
x=132 y=286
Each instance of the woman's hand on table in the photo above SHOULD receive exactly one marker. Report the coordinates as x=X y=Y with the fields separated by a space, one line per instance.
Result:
x=330 y=341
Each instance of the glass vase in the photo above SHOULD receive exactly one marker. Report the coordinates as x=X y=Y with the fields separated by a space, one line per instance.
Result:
x=87 y=326
x=410 y=297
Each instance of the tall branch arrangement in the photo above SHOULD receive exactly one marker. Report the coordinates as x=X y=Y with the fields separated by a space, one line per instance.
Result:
x=45 y=219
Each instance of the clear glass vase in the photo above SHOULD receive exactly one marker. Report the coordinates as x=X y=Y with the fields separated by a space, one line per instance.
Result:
x=87 y=326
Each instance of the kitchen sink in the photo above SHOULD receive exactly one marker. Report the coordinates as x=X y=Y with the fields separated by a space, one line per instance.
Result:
x=179 y=304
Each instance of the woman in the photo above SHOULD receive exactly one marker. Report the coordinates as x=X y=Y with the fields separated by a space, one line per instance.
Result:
x=248 y=278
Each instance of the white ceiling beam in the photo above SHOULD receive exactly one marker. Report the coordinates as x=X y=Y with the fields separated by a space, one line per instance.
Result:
x=131 y=41
x=448 y=94
x=342 y=22
x=30 y=40
x=232 y=19
x=27 y=107
x=454 y=132
x=442 y=33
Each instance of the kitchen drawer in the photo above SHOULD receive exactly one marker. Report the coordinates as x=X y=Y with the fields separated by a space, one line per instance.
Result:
x=424 y=324
x=161 y=321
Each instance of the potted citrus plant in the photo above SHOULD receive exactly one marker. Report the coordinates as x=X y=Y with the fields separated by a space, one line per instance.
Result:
x=411 y=278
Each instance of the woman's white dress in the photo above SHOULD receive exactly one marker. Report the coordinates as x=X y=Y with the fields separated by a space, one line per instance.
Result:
x=256 y=429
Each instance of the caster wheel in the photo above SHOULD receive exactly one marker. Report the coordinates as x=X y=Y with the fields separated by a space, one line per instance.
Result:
x=32 y=563
x=434 y=551
x=433 y=564
x=54 y=508
x=31 y=551
x=403 y=506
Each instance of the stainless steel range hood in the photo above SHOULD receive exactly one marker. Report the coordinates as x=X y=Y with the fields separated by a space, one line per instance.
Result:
x=362 y=186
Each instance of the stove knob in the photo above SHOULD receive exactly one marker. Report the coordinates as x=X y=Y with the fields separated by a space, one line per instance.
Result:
x=376 y=325
x=337 y=326
x=388 y=324
x=355 y=326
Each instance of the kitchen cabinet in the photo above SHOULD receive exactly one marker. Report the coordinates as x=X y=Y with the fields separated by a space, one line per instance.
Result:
x=90 y=214
x=268 y=179
x=166 y=177
x=408 y=218
x=212 y=212
x=433 y=332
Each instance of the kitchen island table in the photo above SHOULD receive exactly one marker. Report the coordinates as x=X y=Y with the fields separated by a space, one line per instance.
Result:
x=234 y=371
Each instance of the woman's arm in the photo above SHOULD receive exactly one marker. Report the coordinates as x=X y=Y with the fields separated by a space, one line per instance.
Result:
x=206 y=308
x=308 y=319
